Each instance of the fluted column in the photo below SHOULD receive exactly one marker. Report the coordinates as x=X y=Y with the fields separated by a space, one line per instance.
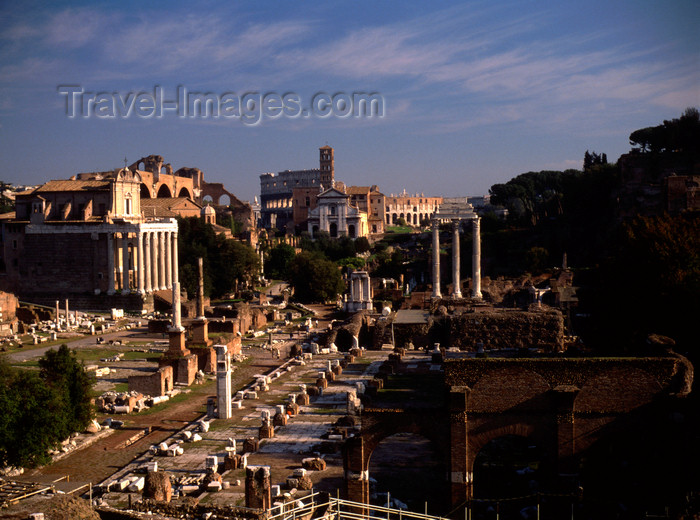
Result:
x=110 y=264
x=154 y=260
x=139 y=265
x=176 y=269
x=161 y=260
x=476 y=258
x=125 y=263
x=436 y=259
x=457 y=293
x=168 y=259
x=147 y=268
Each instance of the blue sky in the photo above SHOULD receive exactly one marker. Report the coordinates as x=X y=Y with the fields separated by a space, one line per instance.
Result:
x=475 y=92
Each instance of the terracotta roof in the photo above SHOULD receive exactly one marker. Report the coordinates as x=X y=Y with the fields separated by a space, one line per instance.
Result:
x=73 y=186
x=166 y=206
x=357 y=190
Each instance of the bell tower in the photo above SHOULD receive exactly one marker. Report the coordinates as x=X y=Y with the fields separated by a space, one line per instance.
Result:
x=327 y=166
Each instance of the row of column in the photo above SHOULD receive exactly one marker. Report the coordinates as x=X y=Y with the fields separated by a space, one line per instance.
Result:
x=155 y=260
x=476 y=259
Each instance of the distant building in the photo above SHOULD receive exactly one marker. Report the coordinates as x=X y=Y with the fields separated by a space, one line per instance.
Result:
x=336 y=216
x=414 y=209
x=371 y=201
x=277 y=191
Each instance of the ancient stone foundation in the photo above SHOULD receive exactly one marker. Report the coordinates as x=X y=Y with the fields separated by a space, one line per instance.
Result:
x=257 y=487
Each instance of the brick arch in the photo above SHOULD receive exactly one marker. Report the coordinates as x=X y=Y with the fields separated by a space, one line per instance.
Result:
x=377 y=426
x=184 y=192
x=145 y=192
x=164 y=192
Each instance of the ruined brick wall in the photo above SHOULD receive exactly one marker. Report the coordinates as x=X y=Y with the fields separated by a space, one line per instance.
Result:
x=155 y=384
x=8 y=306
x=538 y=398
x=64 y=263
x=507 y=329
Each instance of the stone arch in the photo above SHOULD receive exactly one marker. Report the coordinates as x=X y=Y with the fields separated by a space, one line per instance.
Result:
x=184 y=192
x=344 y=340
x=408 y=465
x=224 y=200
x=207 y=199
x=164 y=192
x=141 y=166
x=145 y=192
x=519 y=461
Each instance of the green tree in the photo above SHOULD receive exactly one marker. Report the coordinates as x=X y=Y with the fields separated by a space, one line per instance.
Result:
x=278 y=260
x=225 y=260
x=61 y=370
x=315 y=278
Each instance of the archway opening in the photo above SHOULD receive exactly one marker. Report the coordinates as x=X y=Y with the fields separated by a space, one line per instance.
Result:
x=351 y=231
x=508 y=472
x=344 y=340
x=224 y=200
x=408 y=467
x=334 y=230
x=164 y=192
x=184 y=192
x=145 y=192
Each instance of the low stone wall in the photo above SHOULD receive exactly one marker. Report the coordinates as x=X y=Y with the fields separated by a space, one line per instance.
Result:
x=155 y=384
x=498 y=329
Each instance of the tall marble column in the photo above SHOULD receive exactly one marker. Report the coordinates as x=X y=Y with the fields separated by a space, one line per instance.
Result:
x=147 y=267
x=125 y=263
x=457 y=293
x=139 y=266
x=154 y=261
x=200 y=289
x=161 y=260
x=176 y=269
x=476 y=258
x=110 y=264
x=168 y=259
x=436 y=259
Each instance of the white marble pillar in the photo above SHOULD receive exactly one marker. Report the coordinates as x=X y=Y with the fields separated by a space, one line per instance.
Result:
x=168 y=259
x=125 y=263
x=457 y=292
x=154 y=260
x=177 y=319
x=176 y=268
x=436 y=259
x=476 y=258
x=140 y=266
x=110 y=264
x=147 y=267
x=161 y=260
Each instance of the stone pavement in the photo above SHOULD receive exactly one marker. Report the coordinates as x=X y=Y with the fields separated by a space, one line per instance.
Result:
x=300 y=438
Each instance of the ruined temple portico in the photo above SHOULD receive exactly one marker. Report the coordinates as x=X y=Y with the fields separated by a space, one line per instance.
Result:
x=456 y=211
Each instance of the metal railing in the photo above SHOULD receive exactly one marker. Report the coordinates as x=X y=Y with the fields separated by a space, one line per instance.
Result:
x=340 y=509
